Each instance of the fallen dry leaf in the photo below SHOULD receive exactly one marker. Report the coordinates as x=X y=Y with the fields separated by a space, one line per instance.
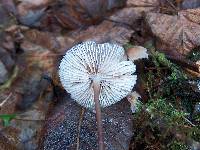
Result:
x=30 y=12
x=134 y=11
x=142 y=3
x=107 y=31
x=177 y=33
x=73 y=14
x=44 y=39
x=32 y=95
x=35 y=2
x=61 y=127
x=192 y=14
x=9 y=139
x=9 y=6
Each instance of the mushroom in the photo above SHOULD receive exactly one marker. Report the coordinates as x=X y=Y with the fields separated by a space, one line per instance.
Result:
x=96 y=75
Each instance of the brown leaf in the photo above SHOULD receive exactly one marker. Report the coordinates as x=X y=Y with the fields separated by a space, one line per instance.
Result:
x=177 y=33
x=30 y=12
x=10 y=6
x=63 y=123
x=25 y=6
x=34 y=94
x=8 y=139
x=192 y=14
x=105 y=32
x=143 y=3
x=73 y=14
x=35 y=2
x=44 y=39
x=134 y=10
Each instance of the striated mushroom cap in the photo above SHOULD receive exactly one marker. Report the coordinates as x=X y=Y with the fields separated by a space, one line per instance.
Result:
x=89 y=61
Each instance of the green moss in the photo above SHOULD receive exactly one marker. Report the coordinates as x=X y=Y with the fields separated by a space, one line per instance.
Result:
x=177 y=145
x=163 y=109
x=7 y=118
x=159 y=59
x=170 y=109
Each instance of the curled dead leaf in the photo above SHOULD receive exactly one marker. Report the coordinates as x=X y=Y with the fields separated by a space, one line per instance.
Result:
x=177 y=33
x=30 y=12
x=137 y=52
x=35 y=2
x=134 y=11
x=106 y=32
x=73 y=14
x=44 y=39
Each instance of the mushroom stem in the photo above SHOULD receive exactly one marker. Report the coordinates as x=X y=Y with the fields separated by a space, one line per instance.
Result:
x=96 y=86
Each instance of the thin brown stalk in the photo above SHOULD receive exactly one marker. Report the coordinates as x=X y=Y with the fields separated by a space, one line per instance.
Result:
x=96 y=86
x=79 y=128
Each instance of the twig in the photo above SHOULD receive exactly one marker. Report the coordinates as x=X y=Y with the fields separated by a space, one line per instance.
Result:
x=21 y=119
x=172 y=5
x=4 y=101
x=79 y=128
x=189 y=121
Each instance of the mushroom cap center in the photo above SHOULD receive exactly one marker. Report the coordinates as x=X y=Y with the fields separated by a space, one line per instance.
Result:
x=96 y=77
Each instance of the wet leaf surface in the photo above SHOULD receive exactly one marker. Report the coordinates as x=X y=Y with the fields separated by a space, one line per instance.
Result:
x=62 y=126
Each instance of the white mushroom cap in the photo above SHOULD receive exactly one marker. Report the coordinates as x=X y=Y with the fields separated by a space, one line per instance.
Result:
x=89 y=61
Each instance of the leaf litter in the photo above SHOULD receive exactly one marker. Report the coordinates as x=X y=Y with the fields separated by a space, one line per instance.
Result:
x=35 y=34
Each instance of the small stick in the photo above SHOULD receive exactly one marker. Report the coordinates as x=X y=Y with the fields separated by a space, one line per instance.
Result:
x=96 y=86
x=172 y=5
x=2 y=103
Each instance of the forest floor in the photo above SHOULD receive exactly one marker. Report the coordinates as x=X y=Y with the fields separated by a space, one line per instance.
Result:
x=163 y=111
